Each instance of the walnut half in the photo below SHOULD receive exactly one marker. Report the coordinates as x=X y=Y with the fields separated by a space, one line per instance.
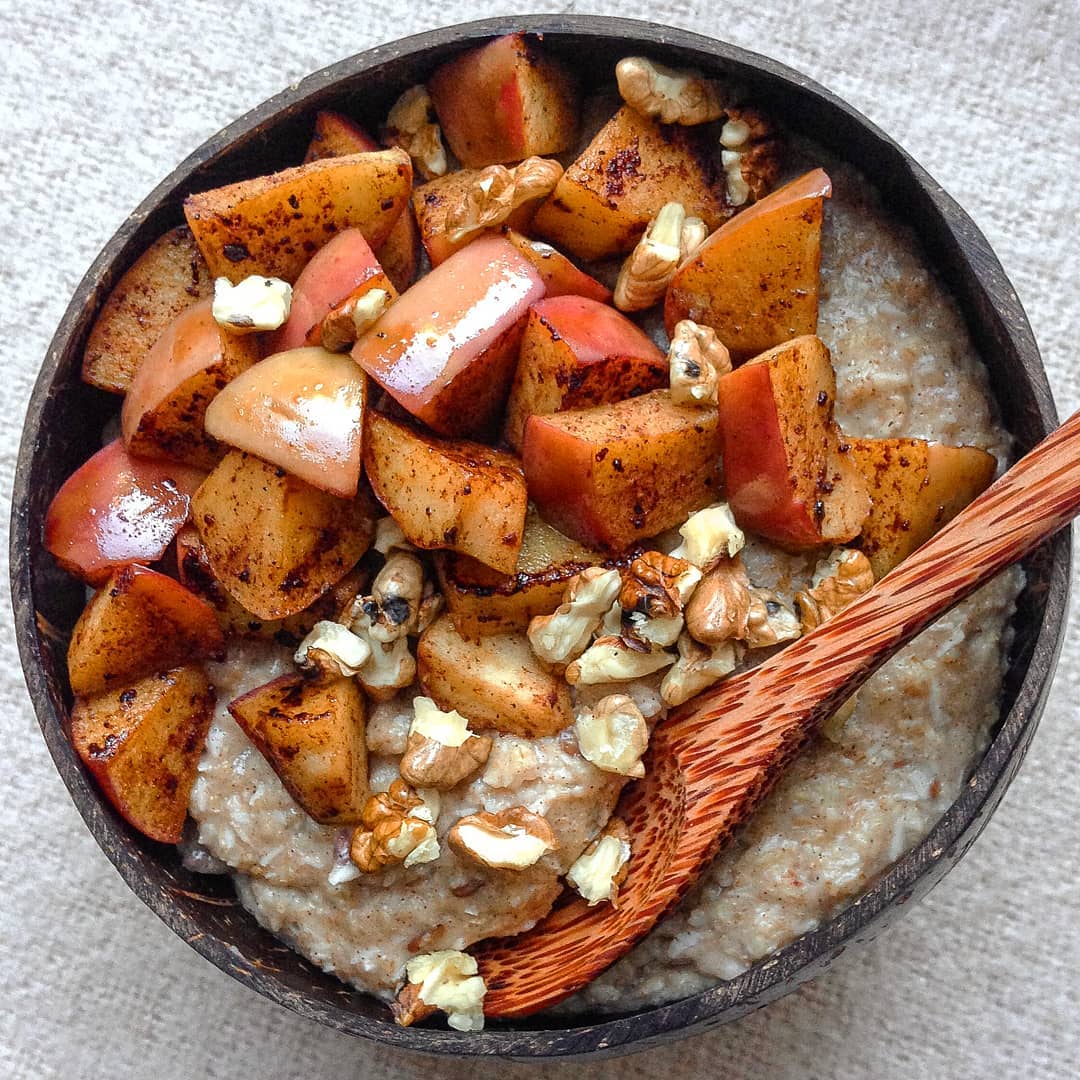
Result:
x=396 y=826
x=512 y=839
x=672 y=97
x=647 y=271
x=613 y=735
x=697 y=359
x=441 y=751
x=497 y=192
x=845 y=575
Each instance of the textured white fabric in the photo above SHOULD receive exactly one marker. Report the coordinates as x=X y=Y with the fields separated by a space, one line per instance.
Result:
x=98 y=101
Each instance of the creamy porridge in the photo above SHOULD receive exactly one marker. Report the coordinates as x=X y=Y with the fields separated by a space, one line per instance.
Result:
x=845 y=810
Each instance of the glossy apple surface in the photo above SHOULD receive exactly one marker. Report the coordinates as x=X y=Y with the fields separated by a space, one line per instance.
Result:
x=303 y=410
x=788 y=472
x=560 y=276
x=615 y=474
x=115 y=510
x=755 y=280
x=447 y=349
x=575 y=353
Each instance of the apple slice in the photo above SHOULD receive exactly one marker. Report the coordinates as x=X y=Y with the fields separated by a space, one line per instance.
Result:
x=788 y=470
x=755 y=280
x=560 y=276
x=313 y=737
x=142 y=742
x=448 y=493
x=481 y=601
x=632 y=167
x=447 y=348
x=505 y=101
x=115 y=510
x=303 y=410
x=274 y=541
x=166 y=279
x=915 y=488
x=336 y=136
x=340 y=268
x=272 y=225
x=576 y=353
x=615 y=474
x=139 y=622
x=163 y=412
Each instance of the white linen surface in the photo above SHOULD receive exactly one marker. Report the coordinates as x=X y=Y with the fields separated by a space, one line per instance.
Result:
x=99 y=101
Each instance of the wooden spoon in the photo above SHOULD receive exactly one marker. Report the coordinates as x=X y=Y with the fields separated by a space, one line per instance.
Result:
x=713 y=760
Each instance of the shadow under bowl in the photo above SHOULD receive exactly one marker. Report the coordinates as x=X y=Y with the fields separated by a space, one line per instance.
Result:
x=63 y=428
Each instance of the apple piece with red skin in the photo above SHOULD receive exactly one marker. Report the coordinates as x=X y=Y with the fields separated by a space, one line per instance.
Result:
x=447 y=349
x=788 y=471
x=336 y=270
x=336 y=136
x=142 y=742
x=576 y=353
x=561 y=277
x=615 y=474
x=115 y=510
x=164 y=410
x=505 y=101
x=139 y=622
x=303 y=410
x=916 y=487
x=755 y=280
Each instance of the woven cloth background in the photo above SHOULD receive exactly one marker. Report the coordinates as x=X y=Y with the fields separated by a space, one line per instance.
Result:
x=99 y=101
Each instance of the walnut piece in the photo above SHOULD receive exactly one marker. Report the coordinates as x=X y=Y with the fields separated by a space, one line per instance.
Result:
x=672 y=97
x=497 y=192
x=344 y=324
x=658 y=585
x=616 y=659
x=396 y=826
x=613 y=735
x=748 y=155
x=708 y=536
x=513 y=839
x=599 y=871
x=698 y=667
x=719 y=609
x=388 y=537
x=696 y=361
x=649 y=268
x=565 y=634
x=396 y=592
x=446 y=980
x=441 y=751
x=769 y=621
x=839 y=579
x=411 y=126
x=257 y=303
x=332 y=651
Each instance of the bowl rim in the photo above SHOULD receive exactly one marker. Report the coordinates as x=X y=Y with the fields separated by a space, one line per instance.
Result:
x=911 y=875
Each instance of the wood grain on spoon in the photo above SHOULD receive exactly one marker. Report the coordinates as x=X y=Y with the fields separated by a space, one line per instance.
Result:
x=713 y=761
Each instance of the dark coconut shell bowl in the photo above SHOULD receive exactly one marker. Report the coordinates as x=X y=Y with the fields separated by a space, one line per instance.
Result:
x=65 y=419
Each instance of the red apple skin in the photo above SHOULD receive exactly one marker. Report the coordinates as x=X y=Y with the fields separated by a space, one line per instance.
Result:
x=302 y=410
x=561 y=277
x=446 y=350
x=115 y=510
x=335 y=270
x=575 y=353
x=756 y=474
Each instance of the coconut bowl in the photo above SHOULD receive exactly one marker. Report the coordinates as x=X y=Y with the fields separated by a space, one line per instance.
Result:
x=63 y=427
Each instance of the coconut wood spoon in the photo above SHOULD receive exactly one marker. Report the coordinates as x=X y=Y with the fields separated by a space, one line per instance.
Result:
x=713 y=761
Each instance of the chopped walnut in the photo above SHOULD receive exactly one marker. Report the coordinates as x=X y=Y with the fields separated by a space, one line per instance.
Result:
x=344 y=324
x=770 y=621
x=565 y=634
x=396 y=592
x=696 y=361
x=720 y=607
x=332 y=651
x=396 y=826
x=441 y=751
x=513 y=839
x=388 y=537
x=613 y=735
x=257 y=303
x=616 y=659
x=411 y=126
x=709 y=536
x=602 y=867
x=748 y=155
x=446 y=980
x=497 y=192
x=672 y=97
x=670 y=238
x=839 y=579
x=658 y=585
x=698 y=667
x=694 y=233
